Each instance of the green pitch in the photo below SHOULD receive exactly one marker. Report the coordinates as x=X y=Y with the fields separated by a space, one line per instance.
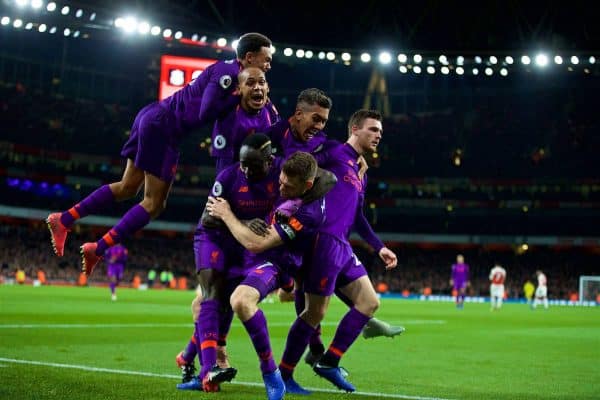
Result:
x=74 y=343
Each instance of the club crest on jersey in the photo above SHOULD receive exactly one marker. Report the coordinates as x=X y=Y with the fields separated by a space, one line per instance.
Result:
x=225 y=81
x=217 y=189
x=220 y=142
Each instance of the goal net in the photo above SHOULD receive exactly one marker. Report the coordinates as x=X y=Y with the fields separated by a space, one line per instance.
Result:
x=589 y=288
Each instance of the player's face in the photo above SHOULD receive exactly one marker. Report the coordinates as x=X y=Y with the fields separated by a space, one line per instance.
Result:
x=460 y=259
x=368 y=135
x=253 y=88
x=291 y=187
x=261 y=59
x=254 y=164
x=310 y=120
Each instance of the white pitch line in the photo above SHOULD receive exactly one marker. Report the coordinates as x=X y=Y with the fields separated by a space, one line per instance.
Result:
x=151 y=325
x=154 y=375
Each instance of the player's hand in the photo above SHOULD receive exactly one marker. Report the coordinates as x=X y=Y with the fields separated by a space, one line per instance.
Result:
x=284 y=296
x=288 y=207
x=363 y=167
x=388 y=257
x=258 y=226
x=217 y=207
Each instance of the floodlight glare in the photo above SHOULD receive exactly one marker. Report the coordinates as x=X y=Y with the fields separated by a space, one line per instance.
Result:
x=460 y=60
x=365 y=57
x=443 y=59
x=402 y=58
x=288 y=52
x=417 y=69
x=179 y=35
x=42 y=28
x=460 y=70
x=385 y=57
x=35 y=4
x=222 y=42
x=167 y=33
x=93 y=16
x=234 y=44
x=17 y=23
x=417 y=58
x=346 y=56
x=52 y=30
x=321 y=55
x=330 y=55
x=475 y=71
x=525 y=60
x=21 y=3
x=592 y=60
x=493 y=60
x=155 y=30
x=478 y=59
x=308 y=54
x=76 y=34
x=51 y=6
x=445 y=70
x=509 y=60
x=78 y=13
x=29 y=26
x=119 y=22
x=5 y=21
x=130 y=24
x=300 y=53
x=541 y=60
x=503 y=71
x=65 y=10
x=403 y=69
x=489 y=71
x=574 y=60
x=143 y=28
x=67 y=32
x=558 y=60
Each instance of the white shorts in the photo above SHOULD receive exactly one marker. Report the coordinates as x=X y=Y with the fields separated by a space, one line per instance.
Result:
x=541 y=291
x=497 y=290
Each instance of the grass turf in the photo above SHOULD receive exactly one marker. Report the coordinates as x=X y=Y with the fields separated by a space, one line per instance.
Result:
x=66 y=342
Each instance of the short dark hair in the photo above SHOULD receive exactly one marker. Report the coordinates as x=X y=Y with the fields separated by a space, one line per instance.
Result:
x=358 y=118
x=251 y=42
x=314 y=96
x=300 y=165
x=260 y=142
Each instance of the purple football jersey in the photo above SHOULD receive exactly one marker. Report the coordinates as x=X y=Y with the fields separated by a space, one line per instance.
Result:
x=286 y=143
x=460 y=275
x=116 y=254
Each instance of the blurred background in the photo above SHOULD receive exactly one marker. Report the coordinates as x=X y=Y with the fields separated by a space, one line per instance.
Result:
x=490 y=144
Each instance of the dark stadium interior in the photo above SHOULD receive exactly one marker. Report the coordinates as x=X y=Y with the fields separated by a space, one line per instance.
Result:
x=505 y=157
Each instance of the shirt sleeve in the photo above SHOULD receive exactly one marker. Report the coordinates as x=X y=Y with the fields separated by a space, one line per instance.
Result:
x=301 y=224
x=364 y=229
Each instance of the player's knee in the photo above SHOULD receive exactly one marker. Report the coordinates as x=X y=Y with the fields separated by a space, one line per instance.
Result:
x=124 y=190
x=241 y=303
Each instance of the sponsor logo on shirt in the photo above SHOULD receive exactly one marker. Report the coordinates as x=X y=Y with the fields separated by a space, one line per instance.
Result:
x=217 y=189
x=220 y=142
x=243 y=189
x=214 y=256
x=294 y=223
x=288 y=231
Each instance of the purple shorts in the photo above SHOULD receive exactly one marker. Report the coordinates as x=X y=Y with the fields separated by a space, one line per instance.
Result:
x=210 y=255
x=351 y=272
x=264 y=277
x=460 y=287
x=152 y=143
x=115 y=270
x=321 y=268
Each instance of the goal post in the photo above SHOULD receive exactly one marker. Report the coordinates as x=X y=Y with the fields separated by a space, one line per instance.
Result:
x=589 y=288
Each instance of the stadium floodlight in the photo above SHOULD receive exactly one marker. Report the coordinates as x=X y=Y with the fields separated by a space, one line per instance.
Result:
x=288 y=52
x=309 y=54
x=460 y=70
x=346 y=57
x=79 y=13
x=179 y=35
x=475 y=71
x=541 y=60
x=385 y=57
x=430 y=70
x=167 y=33
x=558 y=60
x=52 y=30
x=478 y=59
x=365 y=57
x=321 y=55
x=525 y=60
x=589 y=288
x=21 y=3
x=330 y=55
x=51 y=6
x=402 y=58
x=195 y=39
x=5 y=20
x=417 y=69
x=130 y=24
x=403 y=69
x=42 y=28
x=503 y=71
x=493 y=60
x=119 y=22
x=28 y=26
x=300 y=53
x=234 y=44
x=222 y=42
x=143 y=28
x=445 y=70
x=574 y=60
x=509 y=60
x=65 y=10
x=93 y=16
x=76 y=34
x=592 y=60
x=460 y=60
x=67 y=32
x=36 y=4
x=17 y=23
x=443 y=59
x=155 y=30
x=417 y=58
x=203 y=39
x=489 y=71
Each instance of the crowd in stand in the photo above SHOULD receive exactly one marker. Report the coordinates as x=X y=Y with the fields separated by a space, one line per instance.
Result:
x=420 y=268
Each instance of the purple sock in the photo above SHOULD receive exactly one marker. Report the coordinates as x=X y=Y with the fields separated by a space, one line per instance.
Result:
x=135 y=219
x=208 y=324
x=98 y=200
x=112 y=286
x=348 y=330
x=316 y=343
x=189 y=353
x=297 y=340
x=257 y=329
x=197 y=340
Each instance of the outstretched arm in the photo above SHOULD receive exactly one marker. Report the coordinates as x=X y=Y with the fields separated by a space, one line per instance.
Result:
x=219 y=208
x=324 y=182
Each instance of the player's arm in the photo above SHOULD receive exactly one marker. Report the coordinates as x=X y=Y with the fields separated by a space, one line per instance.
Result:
x=321 y=154
x=216 y=102
x=323 y=183
x=219 y=208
